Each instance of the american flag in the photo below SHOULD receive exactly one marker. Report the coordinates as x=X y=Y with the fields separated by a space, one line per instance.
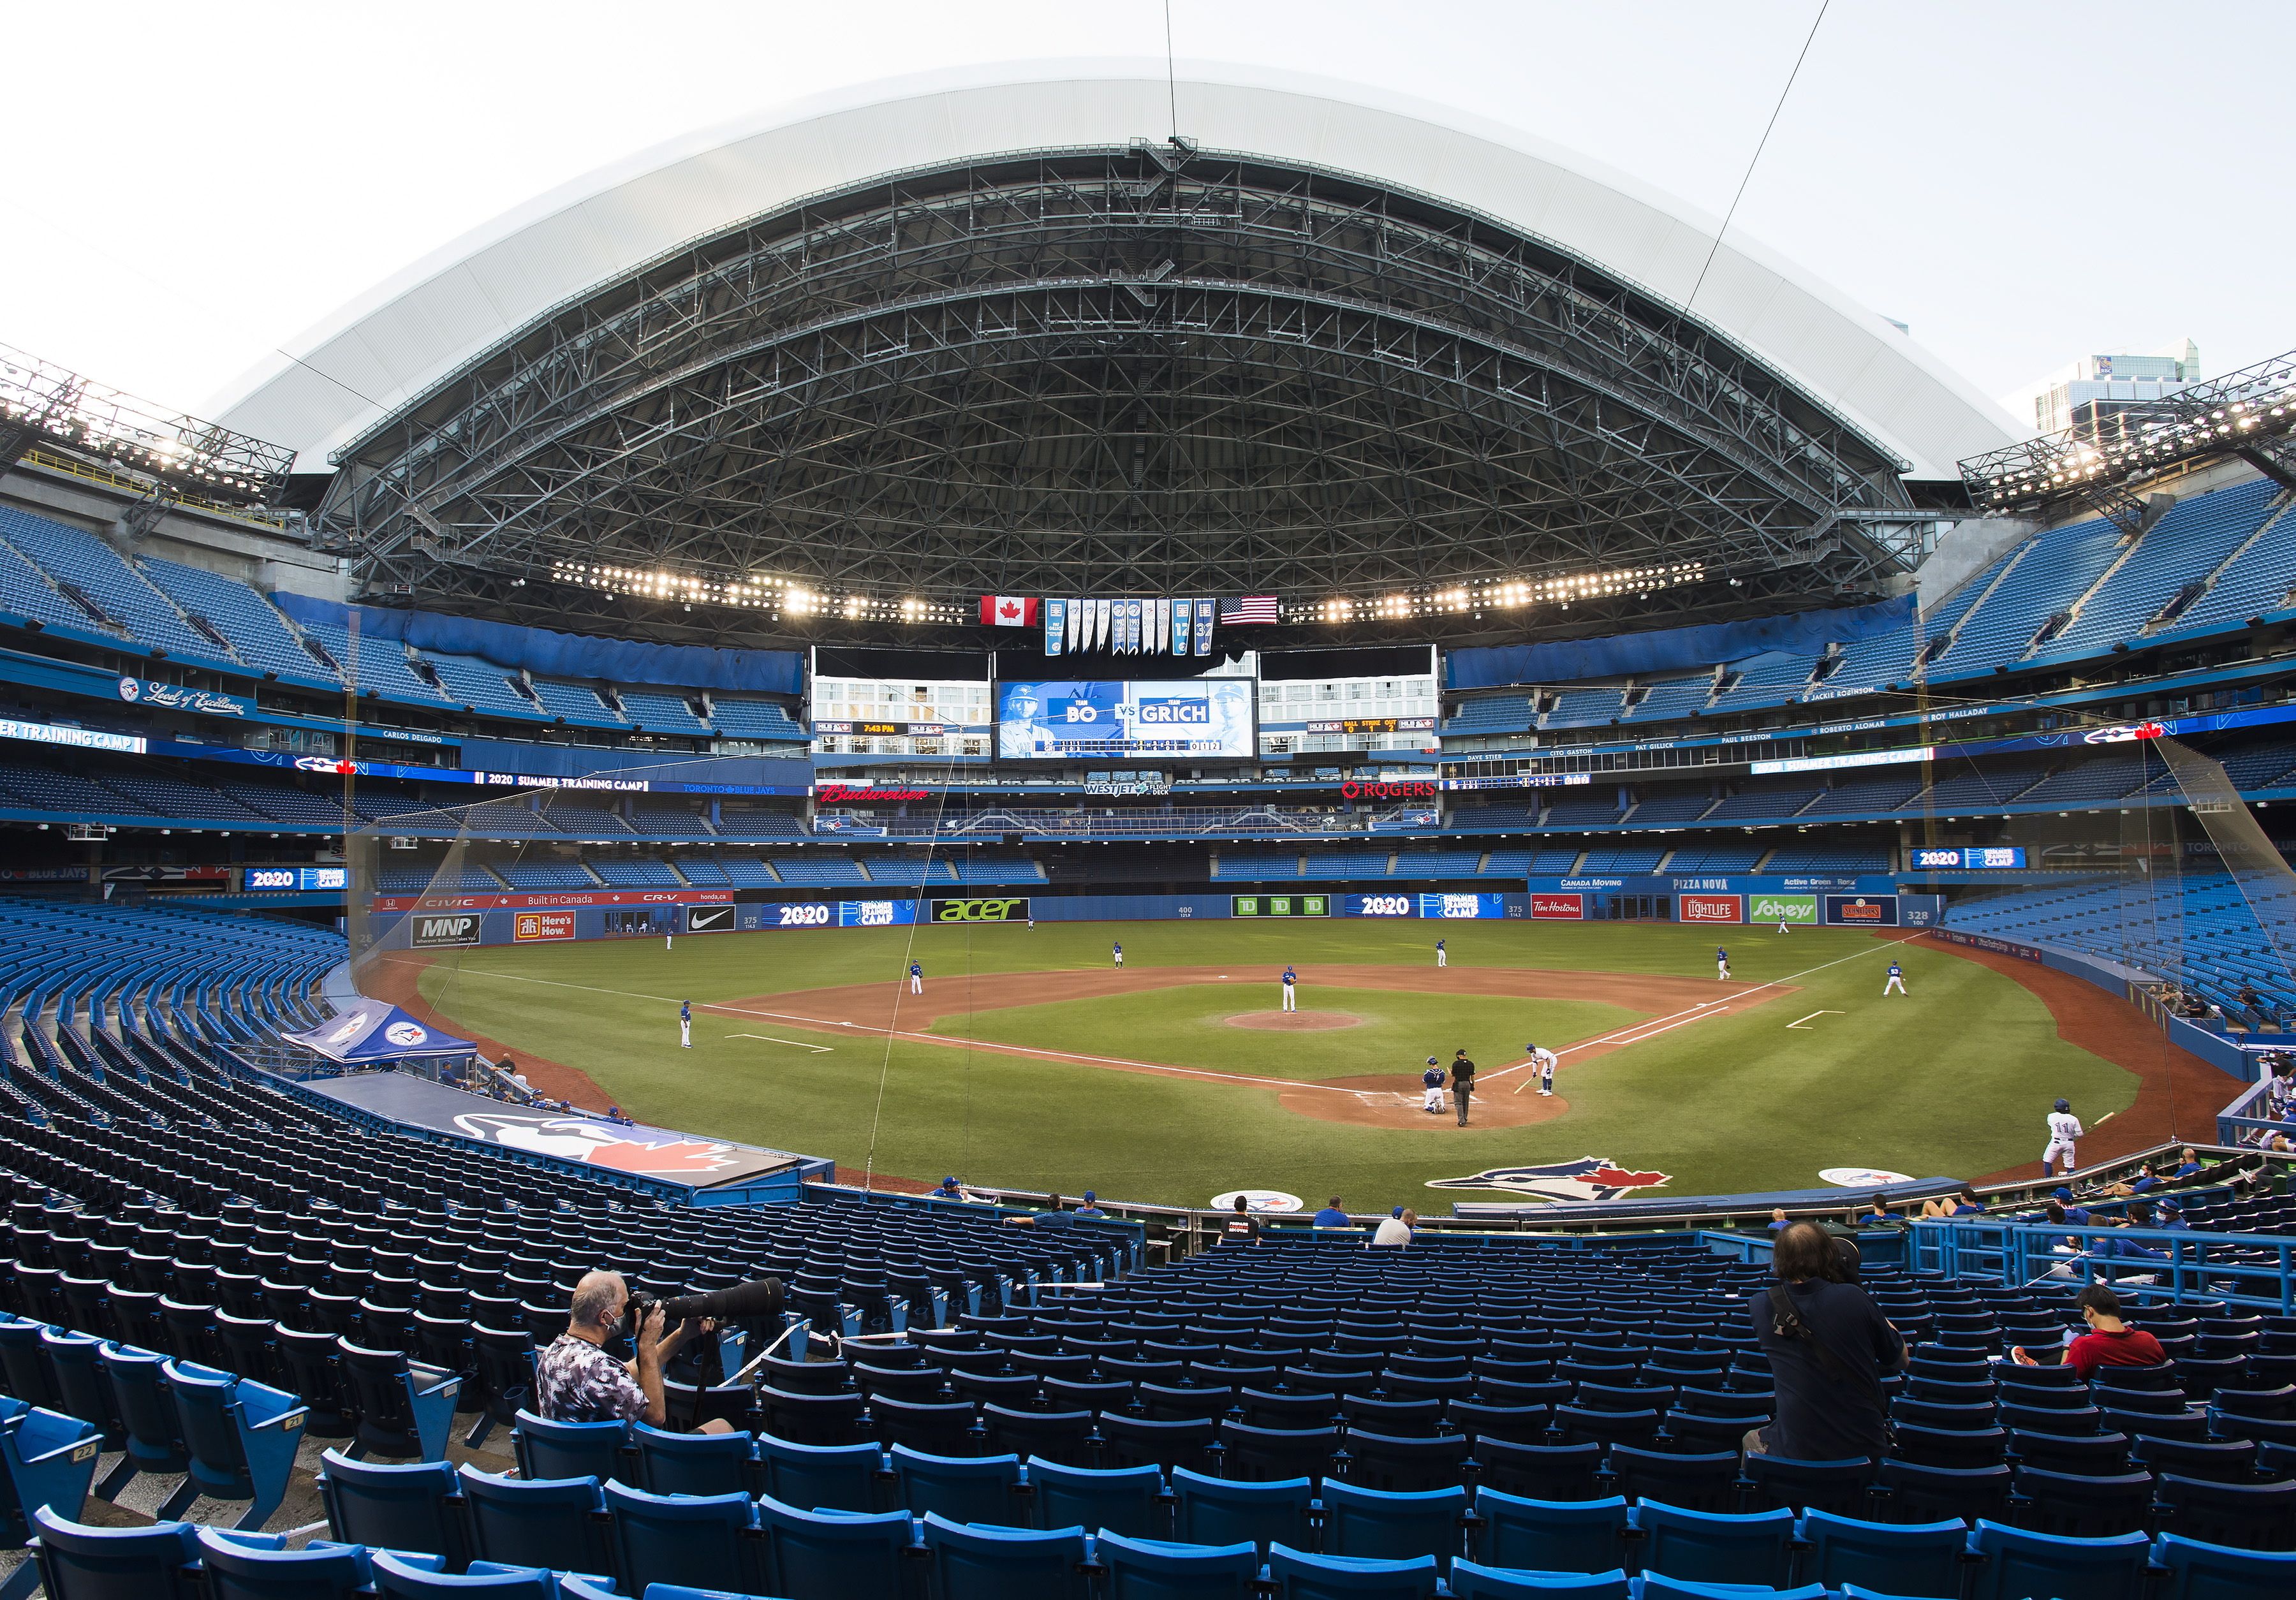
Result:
x=1249 y=610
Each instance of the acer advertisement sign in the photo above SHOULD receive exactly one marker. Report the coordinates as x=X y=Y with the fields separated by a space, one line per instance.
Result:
x=1558 y=907
x=530 y=925
x=1709 y=908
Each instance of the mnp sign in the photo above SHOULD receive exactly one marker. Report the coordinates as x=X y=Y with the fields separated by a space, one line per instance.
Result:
x=1013 y=910
x=1862 y=910
x=1781 y=908
x=432 y=932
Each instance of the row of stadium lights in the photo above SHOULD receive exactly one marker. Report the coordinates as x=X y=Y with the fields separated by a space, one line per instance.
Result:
x=1504 y=593
x=2088 y=462
x=783 y=597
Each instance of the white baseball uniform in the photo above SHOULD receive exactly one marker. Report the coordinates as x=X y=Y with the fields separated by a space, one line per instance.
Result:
x=1543 y=1059
x=2064 y=1127
x=916 y=981
x=1442 y=955
x=686 y=1033
x=669 y=941
x=1433 y=1099
x=1291 y=993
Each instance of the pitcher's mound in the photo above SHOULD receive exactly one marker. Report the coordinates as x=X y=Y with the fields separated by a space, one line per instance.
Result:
x=1296 y=1022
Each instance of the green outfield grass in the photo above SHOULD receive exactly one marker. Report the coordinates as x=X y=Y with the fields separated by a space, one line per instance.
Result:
x=1953 y=1079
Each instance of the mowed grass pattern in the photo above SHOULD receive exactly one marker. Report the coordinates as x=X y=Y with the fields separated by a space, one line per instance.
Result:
x=1953 y=1079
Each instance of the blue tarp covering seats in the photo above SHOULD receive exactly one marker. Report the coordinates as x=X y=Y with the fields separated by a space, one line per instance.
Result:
x=241 y=1435
x=80 y=1562
x=371 y=1031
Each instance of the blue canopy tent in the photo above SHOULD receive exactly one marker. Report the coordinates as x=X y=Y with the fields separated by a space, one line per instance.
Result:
x=371 y=1033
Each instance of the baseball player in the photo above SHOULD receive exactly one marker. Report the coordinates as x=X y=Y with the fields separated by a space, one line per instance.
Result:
x=916 y=978
x=2064 y=1128
x=1543 y=1062
x=1290 y=989
x=1462 y=1083
x=1721 y=964
x=685 y=1024
x=1118 y=951
x=1782 y=926
x=669 y=941
x=1897 y=980
x=1432 y=1080
x=1442 y=955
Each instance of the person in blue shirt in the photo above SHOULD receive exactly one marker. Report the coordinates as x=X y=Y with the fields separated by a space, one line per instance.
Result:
x=1116 y=950
x=916 y=978
x=685 y=1024
x=1091 y=1206
x=1290 y=989
x=1721 y=962
x=950 y=1189
x=1778 y=1218
x=1879 y=1215
x=2189 y=1164
x=1333 y=1215
x=1442 y=955
x=2077 y=1215
x=1897 y=980
x=2172 y=1216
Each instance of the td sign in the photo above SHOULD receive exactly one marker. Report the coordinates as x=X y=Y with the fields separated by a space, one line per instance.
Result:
x=1781 y=908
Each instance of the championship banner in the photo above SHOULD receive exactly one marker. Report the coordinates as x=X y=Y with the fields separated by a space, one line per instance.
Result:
x=1056 y=620
x=1100 y=624
x=1205 y=612
x=1182 y=611
x=1078 y=610
x=1128 y=641
x=1163 y=632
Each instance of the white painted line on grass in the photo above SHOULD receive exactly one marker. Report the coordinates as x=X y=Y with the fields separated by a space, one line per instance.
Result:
x=1798 y=1021
x=773 y=1039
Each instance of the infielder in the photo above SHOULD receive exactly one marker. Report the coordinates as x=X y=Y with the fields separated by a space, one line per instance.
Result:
x=1432 y=1080
x=1543 y=1062
x=1442 y=955
x=1290 y=989
x=1897 y=982
x=916 y=978
x=685 y=1024
x=1721 y=964
x=1118 y=951
x=2064 y=1127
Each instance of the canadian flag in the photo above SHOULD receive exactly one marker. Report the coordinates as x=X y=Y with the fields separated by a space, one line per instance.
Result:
x=1007 y=610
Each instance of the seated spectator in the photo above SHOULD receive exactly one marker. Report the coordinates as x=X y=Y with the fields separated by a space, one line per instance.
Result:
x=1333 y=1215
x=1242 y=1227
x=950 y=1189
x=1395 y=1228
x=1778 y=1218
x=1828 y=1345
x=2188 y=1164
x=1052 y=1216
x=575 y=1380
x=2172 y=1216
x=2109 y=1343
x=1879 y=1214
x=1091 y=1206
x=1963 y=1204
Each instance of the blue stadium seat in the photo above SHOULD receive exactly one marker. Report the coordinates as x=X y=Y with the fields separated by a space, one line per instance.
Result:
x=418 y=1506
x=1836 y=1486
x=837 y=1477
x=1716 y=1547
x=1655 y=1586
x=1910 y=1493
x=242 y=1437
x=1388 y=1525
x=1298 y=1575
x=836 y=1555
x=259 y=1566
x=2249 y=1516
x=693 y=1463
x=964 y=1488
x=1140 y=1569
x=1125 y=1500
x=548 y=1449
x=1471 y=1582
x=80 y=1562
x=1909 y=1559
x=1708 y=1481
x=1551 y=1536
x=995 y=1564
x=2017 y=1564
x=2085 y=1507
x=1540 y=1471
x=560 y=1523
x=2190 y=1570
x=147 y=1412
x=694 y=1539
x=1217 y=1511
x=46 y=1462
x=406 y=1408
x=400 y=1576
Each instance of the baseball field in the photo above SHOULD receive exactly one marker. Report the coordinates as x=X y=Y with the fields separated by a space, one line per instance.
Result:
x=1029 y=1061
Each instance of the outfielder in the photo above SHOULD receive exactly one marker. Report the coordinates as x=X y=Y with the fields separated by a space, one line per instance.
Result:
x=1432 y=1080
x=1782 y=926
x=1897 y=982
x=1442 y=955
x=916 y=978
x=685 y=1024
x=669 y=941
x=1721 y=964
x=1543 y=1062
x=1118 y=951
x=2064 y=1127
x=1290 y=989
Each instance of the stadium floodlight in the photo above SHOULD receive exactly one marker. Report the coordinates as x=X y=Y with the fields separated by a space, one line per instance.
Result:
x=2250 y=414
x=42 y=404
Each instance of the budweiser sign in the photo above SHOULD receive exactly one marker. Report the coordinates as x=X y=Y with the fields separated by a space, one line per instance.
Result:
x=1401 y=789
x=851 y=794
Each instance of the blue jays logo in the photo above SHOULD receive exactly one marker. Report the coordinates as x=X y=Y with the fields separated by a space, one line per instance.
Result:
x=1589 y=1178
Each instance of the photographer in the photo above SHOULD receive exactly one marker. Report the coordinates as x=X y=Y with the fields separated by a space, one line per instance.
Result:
x=1829 y=1345
x=575 y=1380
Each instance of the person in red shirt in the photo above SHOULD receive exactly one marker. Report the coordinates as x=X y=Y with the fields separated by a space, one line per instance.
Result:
x=2109 y=1342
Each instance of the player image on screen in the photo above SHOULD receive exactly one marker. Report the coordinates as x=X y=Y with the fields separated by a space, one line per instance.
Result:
x=1114 y=720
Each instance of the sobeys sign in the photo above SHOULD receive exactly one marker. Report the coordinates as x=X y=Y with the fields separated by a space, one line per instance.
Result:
x=1781 y=908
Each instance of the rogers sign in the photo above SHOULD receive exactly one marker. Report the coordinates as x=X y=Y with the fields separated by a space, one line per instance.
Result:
x=1403 y=789
x=849 y=794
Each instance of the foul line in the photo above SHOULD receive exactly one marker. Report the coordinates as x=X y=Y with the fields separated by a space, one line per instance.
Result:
x=1814 y=1015
x=772 y=1039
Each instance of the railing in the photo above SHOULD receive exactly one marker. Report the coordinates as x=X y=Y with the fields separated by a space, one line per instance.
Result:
x=2256 y=1271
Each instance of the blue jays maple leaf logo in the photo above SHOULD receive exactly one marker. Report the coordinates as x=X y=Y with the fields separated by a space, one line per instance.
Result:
x=1589 y=1178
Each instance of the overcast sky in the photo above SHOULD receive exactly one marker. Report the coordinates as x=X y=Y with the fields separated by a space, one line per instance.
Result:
x=2020 y=183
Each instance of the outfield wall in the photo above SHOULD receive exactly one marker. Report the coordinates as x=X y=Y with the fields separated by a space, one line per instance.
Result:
x=452 y=922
